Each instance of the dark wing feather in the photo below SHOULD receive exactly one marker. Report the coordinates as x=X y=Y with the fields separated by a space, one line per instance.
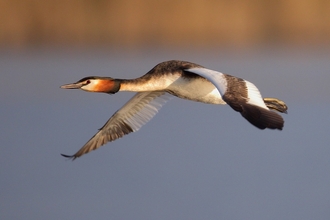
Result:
x=262 y=118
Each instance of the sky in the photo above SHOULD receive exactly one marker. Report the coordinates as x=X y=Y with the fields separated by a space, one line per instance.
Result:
x=191 y=161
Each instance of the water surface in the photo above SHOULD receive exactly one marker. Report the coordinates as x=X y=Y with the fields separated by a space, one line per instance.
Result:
x=192 y=161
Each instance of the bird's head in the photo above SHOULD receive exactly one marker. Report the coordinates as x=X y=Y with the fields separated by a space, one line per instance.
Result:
x=95 y=84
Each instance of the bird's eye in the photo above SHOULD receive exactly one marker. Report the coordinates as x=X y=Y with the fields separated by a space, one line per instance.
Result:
x=88 y=82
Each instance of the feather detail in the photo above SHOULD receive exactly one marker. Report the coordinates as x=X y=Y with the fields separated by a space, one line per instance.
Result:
x=140 y=109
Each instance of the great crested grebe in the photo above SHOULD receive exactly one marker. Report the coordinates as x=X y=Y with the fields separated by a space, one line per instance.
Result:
x=182 y=79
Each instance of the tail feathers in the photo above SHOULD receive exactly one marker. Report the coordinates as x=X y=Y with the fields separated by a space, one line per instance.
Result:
x=262 y=118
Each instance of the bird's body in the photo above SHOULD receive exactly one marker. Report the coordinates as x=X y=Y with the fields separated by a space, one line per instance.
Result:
x=181 y=85
x=182 y=79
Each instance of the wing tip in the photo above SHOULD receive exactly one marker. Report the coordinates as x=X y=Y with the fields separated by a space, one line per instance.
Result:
x=73 y=157
x=262 y=118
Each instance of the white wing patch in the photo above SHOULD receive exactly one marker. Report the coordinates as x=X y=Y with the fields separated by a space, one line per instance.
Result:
x=220 y=82
x=254 y=95
x=214 y=77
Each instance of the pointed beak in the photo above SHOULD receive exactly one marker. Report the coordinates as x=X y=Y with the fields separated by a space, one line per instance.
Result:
x=72 y=86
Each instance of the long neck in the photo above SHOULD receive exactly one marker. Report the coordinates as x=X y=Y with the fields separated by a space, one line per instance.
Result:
x=145 y=84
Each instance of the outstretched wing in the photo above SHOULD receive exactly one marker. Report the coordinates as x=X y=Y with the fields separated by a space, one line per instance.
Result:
x=140 y=109
x=244 y=97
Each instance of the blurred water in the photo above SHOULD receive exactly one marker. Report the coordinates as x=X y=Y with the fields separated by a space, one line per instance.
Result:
x=192 y=161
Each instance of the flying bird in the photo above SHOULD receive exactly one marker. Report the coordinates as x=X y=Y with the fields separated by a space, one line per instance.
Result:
x=182 y=79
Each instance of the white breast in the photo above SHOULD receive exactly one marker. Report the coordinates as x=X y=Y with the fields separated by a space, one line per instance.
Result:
x=196 y=89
